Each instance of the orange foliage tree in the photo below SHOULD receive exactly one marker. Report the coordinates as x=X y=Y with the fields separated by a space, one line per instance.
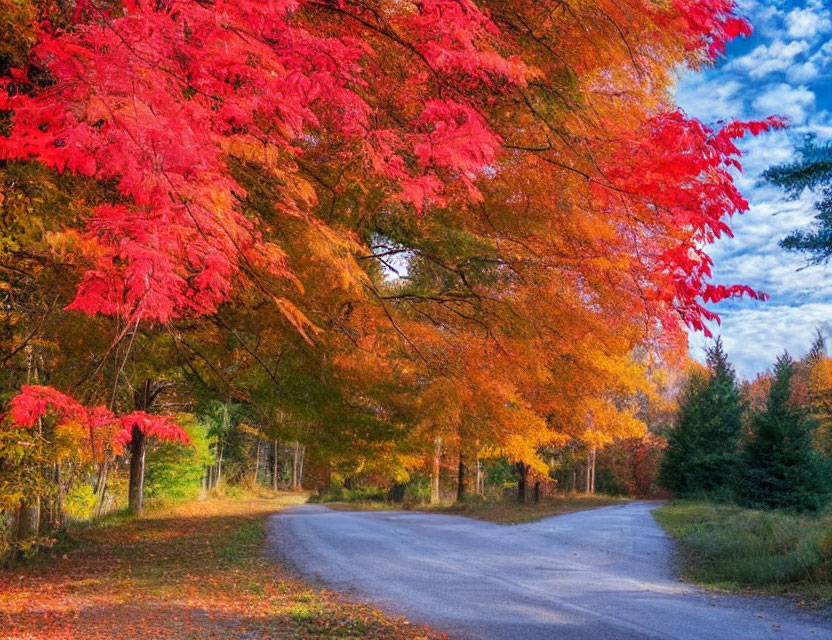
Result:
x=270 y=167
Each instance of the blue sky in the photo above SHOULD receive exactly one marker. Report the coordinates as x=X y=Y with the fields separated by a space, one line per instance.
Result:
x=784 y=68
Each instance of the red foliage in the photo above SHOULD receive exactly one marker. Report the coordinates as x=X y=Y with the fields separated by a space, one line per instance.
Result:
x=156 y=98
x=710 y=24
x=679 y=172
x=98 y=423
x=34 y=401
x=159 y=427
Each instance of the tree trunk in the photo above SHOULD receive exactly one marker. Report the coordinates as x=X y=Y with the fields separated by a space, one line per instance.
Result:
x=480 y=487
x=397 y=491
x=434 y=478
x=101 y=487
x=203 y=493
x=537 y=492
x=592 y=470
x=28 y=515
x=143 y=397
x=460 y=484
x=300 y=467
x=588 y=472
x=274 y=468
x=522 y=470
x=256 y=464
x=218 y=477
x=138 y=449
x=28 y=519
x=295 y=466
x=58 y=516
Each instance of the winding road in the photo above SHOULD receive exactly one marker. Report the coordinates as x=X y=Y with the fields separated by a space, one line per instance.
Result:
x=603 y=574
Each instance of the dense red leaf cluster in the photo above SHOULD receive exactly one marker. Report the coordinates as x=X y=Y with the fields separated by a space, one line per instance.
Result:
x=98 y=424
x=710 y=24
x=680 y=171
x=156 y=96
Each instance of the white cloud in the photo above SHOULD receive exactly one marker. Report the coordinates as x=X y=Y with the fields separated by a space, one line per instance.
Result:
x=785 y=100
x=754 y=337
x=807 y=22
x=803 y=72
x=823 y=56
x=820 y=124
x=768 y=58
x=767 y=19
x=760 y=152
x=708 y=102
x=818 y=64
x=786 y=70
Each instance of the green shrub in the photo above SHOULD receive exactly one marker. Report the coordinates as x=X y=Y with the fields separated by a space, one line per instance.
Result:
x=607 y=483
x=174 y=471
x=80 y=501
x=499 y=472
x=337 y=492
x=417 y=490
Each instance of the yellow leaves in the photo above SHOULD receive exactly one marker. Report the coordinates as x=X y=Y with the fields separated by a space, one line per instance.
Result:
x=65 y=245
x=337 y=250
x=820 y=395
x=293 y=187
x=400 y=474
x=296 y=317
x=273 y=260
x=71 y=443
x=519 y=449
x=246 y=428
x=607 y=422
x=820 y=378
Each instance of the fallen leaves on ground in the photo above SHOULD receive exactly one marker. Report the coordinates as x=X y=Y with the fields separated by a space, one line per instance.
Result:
x=198 y=571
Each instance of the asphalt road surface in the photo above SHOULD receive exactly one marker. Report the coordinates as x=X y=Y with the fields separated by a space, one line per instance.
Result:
x=603 y=574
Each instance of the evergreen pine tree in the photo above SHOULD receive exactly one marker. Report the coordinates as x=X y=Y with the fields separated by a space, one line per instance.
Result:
x=780 y=468
x=813 y=170
x=702 y=450
x=817 y=351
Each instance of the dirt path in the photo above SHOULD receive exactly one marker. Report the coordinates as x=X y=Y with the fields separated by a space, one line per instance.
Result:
x=592 y=575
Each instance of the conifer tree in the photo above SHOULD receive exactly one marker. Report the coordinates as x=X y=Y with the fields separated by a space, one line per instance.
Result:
x=812 y=170
x=780 y=468
x=817 y=351
x=702 y=450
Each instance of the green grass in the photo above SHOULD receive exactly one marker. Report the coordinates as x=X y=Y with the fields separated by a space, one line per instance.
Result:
x=502 y=512
x=728 y=547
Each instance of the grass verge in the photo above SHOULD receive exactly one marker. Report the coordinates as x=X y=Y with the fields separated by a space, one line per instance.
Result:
x=194 y=572
x=736 y=549
x=500 y=512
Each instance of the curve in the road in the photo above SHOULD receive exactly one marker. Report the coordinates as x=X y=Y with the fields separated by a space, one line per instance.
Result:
x=594 y=575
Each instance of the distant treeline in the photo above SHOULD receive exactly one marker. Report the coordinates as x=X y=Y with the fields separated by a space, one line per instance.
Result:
x=763 y=444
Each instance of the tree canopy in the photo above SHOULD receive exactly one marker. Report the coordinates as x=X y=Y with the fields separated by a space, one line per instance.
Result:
x=374 y=223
